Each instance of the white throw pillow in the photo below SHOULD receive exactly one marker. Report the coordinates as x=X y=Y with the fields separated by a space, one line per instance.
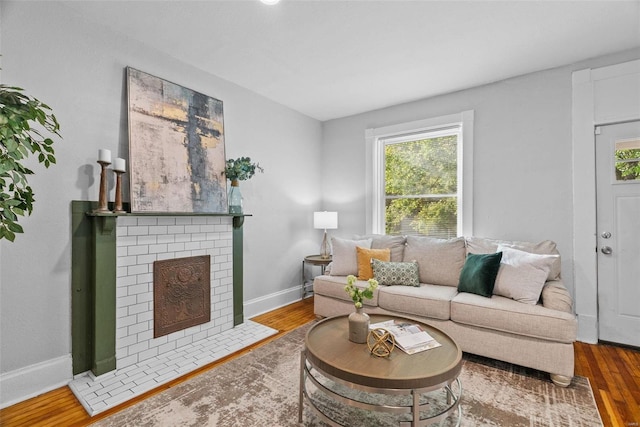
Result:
x=345 y=260
x=522 y=275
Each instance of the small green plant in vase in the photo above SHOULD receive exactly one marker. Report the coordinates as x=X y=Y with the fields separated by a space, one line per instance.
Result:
x=359 y=320
x=357 y=294
x=240 y=169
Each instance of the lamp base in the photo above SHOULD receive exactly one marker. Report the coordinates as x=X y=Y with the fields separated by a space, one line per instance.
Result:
x=325 y=247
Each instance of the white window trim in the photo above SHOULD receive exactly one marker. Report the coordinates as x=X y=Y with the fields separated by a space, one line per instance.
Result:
x=374 y=190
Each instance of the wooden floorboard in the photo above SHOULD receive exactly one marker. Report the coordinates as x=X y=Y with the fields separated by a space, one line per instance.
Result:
x=614 y=373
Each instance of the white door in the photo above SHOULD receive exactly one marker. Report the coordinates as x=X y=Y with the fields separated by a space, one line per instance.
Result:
x=618 y=222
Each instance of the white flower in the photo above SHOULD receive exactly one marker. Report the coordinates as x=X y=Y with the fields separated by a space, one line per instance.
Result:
x=357 y=294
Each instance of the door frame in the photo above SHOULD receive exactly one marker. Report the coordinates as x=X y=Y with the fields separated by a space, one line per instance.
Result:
x=600 y=96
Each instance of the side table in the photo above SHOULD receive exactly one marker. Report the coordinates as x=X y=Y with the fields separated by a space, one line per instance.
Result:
x=307 y=285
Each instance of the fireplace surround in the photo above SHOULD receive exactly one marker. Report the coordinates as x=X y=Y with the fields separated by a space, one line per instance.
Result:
x=112 y=281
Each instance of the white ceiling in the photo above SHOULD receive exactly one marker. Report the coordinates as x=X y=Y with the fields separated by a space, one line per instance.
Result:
x=330 y=59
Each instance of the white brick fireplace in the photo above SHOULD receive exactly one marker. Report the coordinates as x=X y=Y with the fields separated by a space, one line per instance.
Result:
x=140 y=241
x=143 y=362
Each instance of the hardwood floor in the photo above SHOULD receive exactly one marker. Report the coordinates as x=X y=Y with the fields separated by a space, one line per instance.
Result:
x=60 y=408
x=614 y=373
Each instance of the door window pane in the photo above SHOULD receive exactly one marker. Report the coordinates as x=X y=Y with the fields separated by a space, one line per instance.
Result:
x=627 y=160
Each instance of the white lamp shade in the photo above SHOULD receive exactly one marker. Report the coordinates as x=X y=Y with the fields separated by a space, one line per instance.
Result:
x=325 y=220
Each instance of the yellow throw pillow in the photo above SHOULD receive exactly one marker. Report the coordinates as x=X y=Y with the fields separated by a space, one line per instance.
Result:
x=364 y=260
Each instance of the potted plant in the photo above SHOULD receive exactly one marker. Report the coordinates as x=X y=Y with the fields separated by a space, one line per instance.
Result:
x=22 y=119
x=240 y=169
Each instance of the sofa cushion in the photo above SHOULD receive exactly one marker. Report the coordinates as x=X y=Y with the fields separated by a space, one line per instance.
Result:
x=364 y=257
x=333 y=286
x=522 y=274
x=481 y=245
x=382 y=241
x=506 y=315
x=439 y=261
x=395 y=273
x=432 y=301
x=344 y=261
x=478 y=275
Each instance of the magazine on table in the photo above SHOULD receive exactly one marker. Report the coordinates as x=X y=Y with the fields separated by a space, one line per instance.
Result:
x=409 y=337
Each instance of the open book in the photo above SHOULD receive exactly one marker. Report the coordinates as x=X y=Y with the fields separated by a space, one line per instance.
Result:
x=409 y=337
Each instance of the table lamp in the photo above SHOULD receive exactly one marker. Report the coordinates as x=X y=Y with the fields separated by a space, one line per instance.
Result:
x=327 y=221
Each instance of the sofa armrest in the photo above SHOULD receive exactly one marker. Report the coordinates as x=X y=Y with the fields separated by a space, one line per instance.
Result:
x=327 y=269
x=556 y=297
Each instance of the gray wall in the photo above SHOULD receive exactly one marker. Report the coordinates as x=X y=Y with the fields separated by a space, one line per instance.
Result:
x=78 y=68
x=522 y=156
x=522 y=170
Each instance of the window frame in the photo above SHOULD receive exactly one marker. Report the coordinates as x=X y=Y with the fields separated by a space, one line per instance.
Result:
x=375 y=141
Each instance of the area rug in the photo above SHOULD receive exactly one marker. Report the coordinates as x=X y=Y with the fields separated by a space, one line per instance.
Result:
x=261 y=389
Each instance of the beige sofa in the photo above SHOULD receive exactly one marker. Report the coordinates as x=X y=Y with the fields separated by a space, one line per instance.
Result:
x=536 y=335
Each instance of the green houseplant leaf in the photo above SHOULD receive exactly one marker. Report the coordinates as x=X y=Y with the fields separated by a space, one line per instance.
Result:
x=241 y=169
x=23 y=120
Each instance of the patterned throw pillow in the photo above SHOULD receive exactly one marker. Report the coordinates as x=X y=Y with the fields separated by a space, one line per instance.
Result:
x=395 y=273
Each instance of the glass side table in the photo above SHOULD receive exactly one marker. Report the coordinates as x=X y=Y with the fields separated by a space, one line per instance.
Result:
x=312 y=260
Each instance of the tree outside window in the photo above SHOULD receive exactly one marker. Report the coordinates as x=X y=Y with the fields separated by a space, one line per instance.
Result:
x=628 y=164
x=421 y=186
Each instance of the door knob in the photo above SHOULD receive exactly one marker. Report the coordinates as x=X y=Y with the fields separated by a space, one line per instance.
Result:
x=606 y=250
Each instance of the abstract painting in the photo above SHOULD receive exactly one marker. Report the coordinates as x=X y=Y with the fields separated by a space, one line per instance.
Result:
x=176 y=148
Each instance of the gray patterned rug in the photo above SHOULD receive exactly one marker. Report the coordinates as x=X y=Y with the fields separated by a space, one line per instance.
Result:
x=261 y=389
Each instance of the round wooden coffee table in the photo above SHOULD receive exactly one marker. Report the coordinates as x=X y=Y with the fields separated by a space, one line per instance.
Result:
x=334 y=366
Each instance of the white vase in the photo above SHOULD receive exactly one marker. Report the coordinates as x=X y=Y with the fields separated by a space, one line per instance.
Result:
x=358 y=326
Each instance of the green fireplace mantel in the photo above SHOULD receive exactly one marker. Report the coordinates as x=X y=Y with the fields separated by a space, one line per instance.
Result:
x=93 y=277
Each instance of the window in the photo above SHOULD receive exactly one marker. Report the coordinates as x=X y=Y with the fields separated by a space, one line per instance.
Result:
x=421 y=183
x=627 y=160
x=420 y=177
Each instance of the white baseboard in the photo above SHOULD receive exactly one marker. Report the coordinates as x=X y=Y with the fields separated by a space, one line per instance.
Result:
x=33 y=380
x=588 y=328
x=270 y=302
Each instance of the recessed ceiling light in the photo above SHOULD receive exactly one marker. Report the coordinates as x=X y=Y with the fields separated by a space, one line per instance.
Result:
x=270 y=2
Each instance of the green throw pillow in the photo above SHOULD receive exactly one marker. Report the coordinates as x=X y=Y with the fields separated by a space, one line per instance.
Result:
x=395 y=273
x=478 y=275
